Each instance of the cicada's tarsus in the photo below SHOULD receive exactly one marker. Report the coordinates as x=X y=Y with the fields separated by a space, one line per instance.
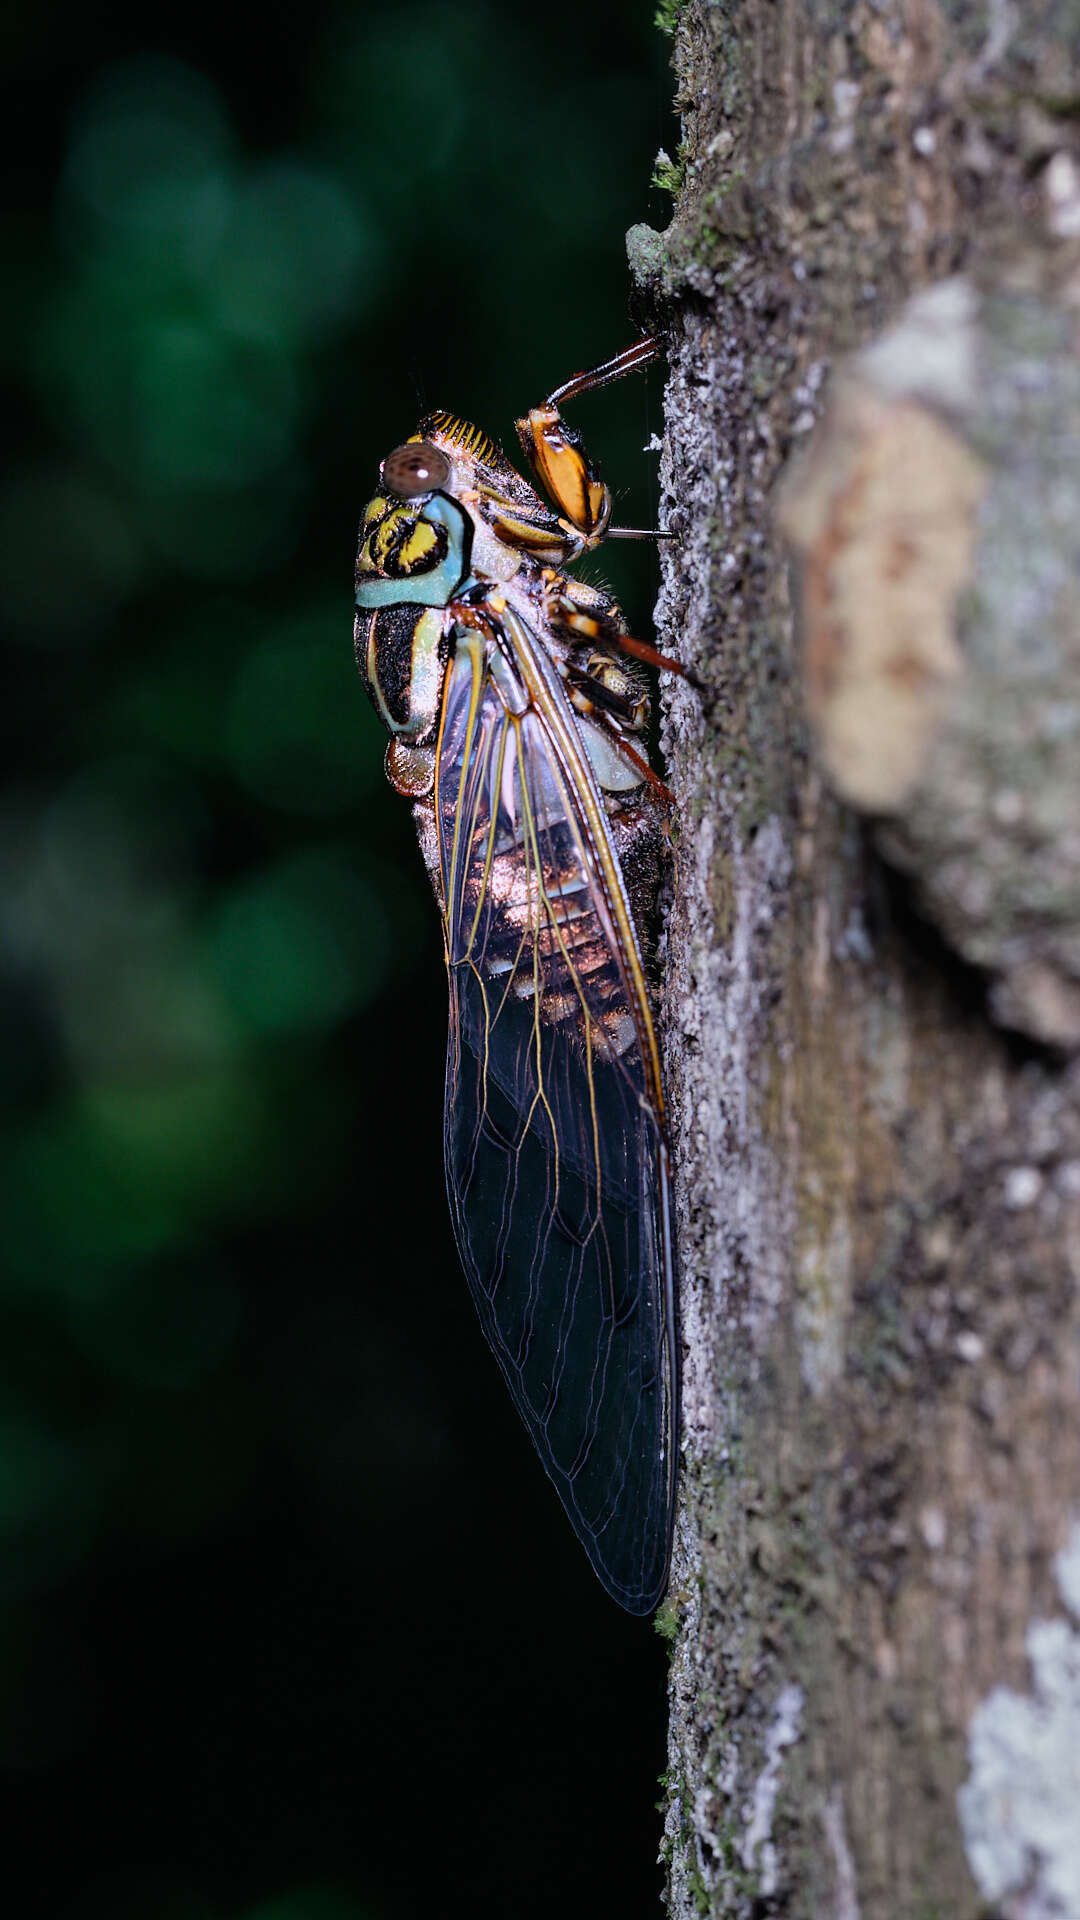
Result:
x=515 y=717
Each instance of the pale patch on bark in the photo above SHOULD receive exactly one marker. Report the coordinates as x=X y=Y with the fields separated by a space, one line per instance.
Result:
x=759 y=1846
x=885 y=526
x=847 y=1899
x=935 y=519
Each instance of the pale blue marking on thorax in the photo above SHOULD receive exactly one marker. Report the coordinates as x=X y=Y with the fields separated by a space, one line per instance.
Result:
x=434 y=589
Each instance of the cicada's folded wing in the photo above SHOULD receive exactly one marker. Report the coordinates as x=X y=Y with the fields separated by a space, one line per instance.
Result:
x=556 y=1161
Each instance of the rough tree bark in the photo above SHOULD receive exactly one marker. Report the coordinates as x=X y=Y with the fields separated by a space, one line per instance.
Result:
x=871 y=286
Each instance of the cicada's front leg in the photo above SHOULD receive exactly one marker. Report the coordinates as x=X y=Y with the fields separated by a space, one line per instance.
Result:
x=557 y=457
x=555 y=453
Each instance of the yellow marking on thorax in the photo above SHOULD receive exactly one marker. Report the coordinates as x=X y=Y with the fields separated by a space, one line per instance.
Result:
x=411 y=550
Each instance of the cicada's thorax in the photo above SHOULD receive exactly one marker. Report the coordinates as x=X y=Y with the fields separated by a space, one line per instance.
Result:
x=413 y=556
x=423 y=545
x=454 y=522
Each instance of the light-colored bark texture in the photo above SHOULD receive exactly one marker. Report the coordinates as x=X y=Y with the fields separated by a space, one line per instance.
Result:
x=871 y=289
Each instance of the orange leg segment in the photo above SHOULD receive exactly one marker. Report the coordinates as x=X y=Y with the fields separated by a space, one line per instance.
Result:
x=555 y=452
x=641 y=650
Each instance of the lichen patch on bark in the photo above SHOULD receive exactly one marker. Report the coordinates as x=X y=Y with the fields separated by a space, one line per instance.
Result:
x=1020 y=1802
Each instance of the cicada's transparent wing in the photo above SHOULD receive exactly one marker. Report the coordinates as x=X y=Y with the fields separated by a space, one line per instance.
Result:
x=555 y=1157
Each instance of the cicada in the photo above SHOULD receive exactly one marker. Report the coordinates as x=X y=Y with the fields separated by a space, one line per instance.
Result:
x=516 y=710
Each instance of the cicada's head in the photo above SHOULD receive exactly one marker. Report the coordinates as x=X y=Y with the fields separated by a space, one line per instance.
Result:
x=415 y=538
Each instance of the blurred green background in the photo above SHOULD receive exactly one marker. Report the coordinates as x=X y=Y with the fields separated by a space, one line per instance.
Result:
x=293 y=1628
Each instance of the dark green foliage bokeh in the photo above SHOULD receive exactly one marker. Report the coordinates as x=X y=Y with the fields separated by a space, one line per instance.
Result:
x=293 y=1628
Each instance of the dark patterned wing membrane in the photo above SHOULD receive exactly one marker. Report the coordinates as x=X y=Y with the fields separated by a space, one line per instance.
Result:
x=556 y=1162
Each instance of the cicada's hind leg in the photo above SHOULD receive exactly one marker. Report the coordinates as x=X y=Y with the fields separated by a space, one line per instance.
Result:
x=555 y=453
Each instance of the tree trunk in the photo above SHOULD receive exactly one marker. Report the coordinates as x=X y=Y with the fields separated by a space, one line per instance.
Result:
x=871 y=287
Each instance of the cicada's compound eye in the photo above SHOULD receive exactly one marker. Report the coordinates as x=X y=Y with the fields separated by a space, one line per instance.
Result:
x=417 y=467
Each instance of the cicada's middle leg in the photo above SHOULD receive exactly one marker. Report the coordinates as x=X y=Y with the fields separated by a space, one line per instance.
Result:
x=601 y=686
